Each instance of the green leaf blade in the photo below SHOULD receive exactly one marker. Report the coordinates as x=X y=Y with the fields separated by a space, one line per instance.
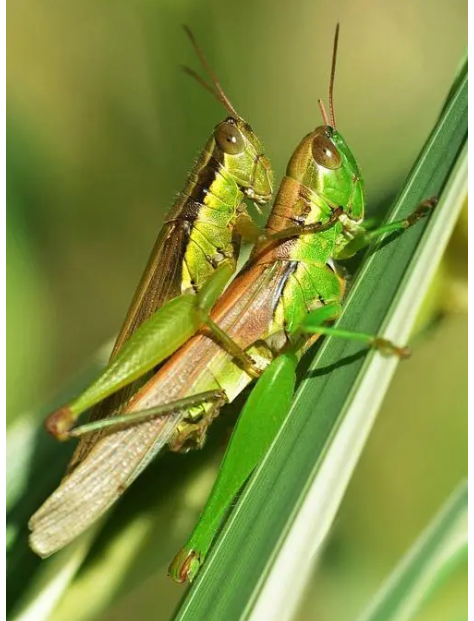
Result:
x=439 y=549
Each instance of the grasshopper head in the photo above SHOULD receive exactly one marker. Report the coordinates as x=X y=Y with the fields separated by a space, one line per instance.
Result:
x=233 y=143
x=325 y=165
x=241 y=154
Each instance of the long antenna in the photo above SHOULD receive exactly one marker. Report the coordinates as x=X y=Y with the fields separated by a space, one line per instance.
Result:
x=331 y=81
x=217 y=89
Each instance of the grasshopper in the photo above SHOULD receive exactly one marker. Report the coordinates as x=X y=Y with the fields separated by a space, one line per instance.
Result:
x=197 y=249
x=286 y=296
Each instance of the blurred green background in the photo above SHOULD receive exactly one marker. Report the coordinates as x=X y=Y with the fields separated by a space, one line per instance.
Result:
x=102 y=129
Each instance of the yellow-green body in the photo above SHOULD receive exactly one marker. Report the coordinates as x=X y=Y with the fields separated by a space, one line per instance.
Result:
x=201 y=230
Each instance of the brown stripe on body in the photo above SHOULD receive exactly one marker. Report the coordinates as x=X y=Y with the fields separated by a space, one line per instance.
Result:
x=192 y=197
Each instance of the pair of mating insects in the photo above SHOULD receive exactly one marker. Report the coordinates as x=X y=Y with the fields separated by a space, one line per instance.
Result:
x=216 y=343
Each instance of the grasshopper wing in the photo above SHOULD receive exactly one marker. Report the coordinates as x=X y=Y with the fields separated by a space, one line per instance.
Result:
x=97 y=482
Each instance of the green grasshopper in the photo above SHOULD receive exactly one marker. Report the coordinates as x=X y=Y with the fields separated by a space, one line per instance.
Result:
x=197 y=249
x=273 y=311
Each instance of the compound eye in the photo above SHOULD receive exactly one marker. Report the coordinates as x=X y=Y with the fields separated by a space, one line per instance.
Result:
x=325 y=153
x=229 y=139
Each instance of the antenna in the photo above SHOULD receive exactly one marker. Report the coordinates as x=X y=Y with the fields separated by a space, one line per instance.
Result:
x=331 y=81
x=215 y=88
x=323 y=112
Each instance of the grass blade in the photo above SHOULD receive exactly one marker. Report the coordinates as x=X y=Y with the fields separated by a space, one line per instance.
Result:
x=49 y=585
x=36 y=463
x=437 y=552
